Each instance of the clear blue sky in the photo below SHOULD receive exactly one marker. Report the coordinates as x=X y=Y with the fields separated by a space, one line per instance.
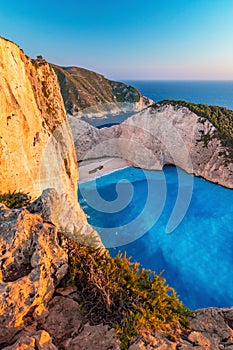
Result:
x=127 y=39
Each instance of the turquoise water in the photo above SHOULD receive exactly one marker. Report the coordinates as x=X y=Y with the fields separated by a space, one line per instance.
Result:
x=133 y=210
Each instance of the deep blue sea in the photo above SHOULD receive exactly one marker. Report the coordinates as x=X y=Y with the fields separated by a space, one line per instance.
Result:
x=217 y=93
x=169 y=220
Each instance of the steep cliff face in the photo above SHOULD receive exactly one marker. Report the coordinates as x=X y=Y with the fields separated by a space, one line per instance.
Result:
x=36 y=145
x=158 y=136
x=31 y=110
x=86 y=93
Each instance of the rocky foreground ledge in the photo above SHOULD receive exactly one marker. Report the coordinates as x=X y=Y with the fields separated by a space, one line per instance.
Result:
x=36 y=314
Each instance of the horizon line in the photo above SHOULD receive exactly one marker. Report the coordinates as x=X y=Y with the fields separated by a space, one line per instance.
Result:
x=188 y=80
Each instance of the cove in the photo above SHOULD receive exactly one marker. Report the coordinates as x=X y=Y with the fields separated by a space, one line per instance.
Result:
x=131 y=209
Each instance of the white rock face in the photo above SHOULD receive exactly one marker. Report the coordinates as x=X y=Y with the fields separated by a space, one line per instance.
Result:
x=156 y=137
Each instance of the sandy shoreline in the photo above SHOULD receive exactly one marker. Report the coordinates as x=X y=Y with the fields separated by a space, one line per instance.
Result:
x=91 y=169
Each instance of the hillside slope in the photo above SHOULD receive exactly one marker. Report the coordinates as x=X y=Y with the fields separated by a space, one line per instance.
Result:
x=82 y=89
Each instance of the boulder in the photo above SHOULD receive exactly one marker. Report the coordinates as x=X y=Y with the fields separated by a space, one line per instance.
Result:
x=98 y=337
x=64 y=319
x=41 y=340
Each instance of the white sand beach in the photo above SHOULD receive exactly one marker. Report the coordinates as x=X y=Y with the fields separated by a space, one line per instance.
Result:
x=91 y=169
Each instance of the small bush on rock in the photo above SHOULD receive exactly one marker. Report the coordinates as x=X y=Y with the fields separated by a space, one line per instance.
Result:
x=115 y=291
x=15 y=199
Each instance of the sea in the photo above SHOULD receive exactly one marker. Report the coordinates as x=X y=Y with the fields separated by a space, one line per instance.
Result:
x=169 y=221
x=216 y=93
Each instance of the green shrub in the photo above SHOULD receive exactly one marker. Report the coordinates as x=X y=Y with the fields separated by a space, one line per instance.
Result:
x=34 y=63
x=117 y=292
x=15 y=199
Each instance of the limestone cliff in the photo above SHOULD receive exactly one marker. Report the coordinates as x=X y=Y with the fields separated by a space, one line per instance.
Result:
x=160 y=135
x=31 y=110
x=36 y=145
x=86 y=93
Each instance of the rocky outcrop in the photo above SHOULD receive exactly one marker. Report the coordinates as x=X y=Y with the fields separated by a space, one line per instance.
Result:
x=98 y=337
x=86 y=93
x=40 y=340
x=32 y=264
x=36 y=146
x=210 y=329
x=66 y=216
x=69 y=331
x=158 y=136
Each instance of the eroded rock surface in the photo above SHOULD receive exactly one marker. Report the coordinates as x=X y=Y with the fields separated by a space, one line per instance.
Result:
x=40 y=340
x=66 y=216
x=64 y=319
x=98 y=337
x=32 y=264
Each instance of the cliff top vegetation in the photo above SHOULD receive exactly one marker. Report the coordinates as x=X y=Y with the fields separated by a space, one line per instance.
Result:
x=220 y=117
x=119 y=293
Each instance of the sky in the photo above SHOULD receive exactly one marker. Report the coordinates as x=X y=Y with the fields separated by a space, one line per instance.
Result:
x=127 y=39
